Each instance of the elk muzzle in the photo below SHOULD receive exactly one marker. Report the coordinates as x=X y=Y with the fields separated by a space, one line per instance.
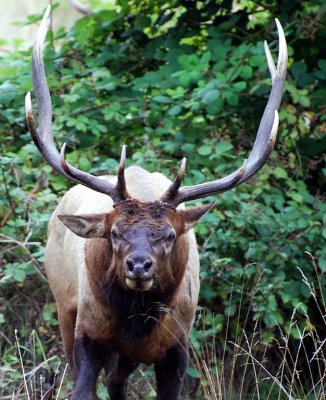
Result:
x=139 y=271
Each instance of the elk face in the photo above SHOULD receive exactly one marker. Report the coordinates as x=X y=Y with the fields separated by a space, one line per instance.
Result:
x=143 y=239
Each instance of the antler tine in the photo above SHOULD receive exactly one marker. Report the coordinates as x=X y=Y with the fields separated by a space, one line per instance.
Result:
x=282 y=53
x=264 y=141
x=43 y=135
x=270 y=61
x=174 y=187
x=282 y=61
x=121 y=183
x=63 y=161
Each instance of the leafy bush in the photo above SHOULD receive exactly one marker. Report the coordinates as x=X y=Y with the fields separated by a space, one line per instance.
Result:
x=174 y=79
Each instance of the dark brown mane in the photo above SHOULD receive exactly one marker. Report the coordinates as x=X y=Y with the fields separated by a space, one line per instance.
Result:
x=136 y=313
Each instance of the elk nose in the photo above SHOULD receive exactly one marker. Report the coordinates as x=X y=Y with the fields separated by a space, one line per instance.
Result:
x=138 y=266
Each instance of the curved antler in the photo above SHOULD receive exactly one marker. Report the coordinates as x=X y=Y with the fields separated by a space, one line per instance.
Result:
x=43 y=135
x=263 y=145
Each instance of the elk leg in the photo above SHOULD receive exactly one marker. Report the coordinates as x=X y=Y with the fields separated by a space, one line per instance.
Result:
x=118 y=368
x=67 y=322
x=170 y=372
x=89 y=357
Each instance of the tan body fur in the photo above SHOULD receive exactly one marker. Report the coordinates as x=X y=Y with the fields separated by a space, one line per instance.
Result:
x=69 y=279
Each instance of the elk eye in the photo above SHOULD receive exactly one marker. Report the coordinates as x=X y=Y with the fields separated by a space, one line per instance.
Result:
x=171 y=236
x=114 y=233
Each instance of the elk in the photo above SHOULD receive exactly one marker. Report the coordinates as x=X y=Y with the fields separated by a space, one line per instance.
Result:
x=121 y=256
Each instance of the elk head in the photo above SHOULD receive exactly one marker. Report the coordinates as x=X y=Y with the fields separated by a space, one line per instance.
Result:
x=146 y=242
x=143 y=235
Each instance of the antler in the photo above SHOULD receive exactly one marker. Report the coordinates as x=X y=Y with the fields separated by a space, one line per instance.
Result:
x=79 y=7
x=263 y=145
x=43 y=135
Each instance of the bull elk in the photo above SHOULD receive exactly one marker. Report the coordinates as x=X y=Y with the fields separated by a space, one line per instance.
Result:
x=121 y=256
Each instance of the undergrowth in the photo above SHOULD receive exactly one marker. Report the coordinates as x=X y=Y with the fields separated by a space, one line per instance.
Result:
x=146 y=74
x=239 y=366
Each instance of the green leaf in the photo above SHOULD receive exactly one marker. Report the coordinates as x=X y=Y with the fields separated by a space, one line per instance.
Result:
x=163 y=99
x=296 y=197
x=84 y=164
x=322 y=263
x=223 y=147
x=205 y=150
x=240 y=86
x=193 y=373
x=215 y=107
x=49 y=314
x=246 y=72
x=280 y=173
x=230 y=310
x=175 y=110
x=102 y=128
x=84 y=30
x=304 y=101
x=80 y=126
x=211 y=96
x=231 y=98
x=273 y=318
x=142 y=21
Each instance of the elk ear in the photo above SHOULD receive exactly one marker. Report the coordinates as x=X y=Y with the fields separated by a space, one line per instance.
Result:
x=192 y=216
x=86 y=226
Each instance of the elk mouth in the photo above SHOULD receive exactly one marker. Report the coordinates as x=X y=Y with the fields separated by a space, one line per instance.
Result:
x=139 y=284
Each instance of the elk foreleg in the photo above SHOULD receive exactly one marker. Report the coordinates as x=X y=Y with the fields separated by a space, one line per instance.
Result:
x=170 y=372
x=89 y=358
x=67 y=321
x=118 y=367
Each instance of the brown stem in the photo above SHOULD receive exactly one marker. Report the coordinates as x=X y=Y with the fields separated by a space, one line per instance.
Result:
x=11 y=204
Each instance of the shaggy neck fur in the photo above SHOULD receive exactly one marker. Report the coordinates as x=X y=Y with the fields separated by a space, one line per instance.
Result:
x=136 y=313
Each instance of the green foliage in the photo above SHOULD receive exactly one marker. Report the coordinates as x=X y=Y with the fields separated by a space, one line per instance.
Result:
x=173 y=80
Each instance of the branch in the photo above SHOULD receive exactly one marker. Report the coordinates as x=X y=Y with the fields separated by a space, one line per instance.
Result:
x=23 y=245
x=79 y=7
